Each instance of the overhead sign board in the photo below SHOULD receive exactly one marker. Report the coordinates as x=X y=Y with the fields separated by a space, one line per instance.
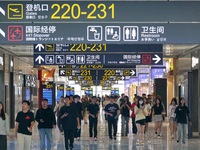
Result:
x=96 y=67
x=99 y=11
x=95 y=59
x=91 y=33
x=97 y=48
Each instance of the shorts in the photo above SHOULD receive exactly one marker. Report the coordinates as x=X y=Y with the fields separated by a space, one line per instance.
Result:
x=172 y=119
x=148 y=118
x=158 y=118
x=141 y=122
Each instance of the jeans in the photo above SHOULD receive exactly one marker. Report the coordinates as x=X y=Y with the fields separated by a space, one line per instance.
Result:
x=93 y=124
x=24 y=141
x=112 y=123
x=134 y=127
x=181 y=129
x=69 y=136
x=44 y=132
x=125 y=121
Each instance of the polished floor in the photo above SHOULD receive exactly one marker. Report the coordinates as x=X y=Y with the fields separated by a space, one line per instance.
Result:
x=122 y=143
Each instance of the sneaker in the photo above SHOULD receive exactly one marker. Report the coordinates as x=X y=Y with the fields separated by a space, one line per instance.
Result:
x=137 y=143
x=142 y=143
x=110 y=139
x=159 y=137
x=78 y=138
x=115 y=138
x=183 y=142
x=177 y=141
x=95 y=138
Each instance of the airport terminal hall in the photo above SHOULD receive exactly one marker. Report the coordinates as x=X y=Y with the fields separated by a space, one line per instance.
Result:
x=99 y=75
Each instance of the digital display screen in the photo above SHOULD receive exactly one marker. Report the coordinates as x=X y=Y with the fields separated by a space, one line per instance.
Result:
x=157 y=73
x=114 y=92
x=28 y=94
x=59 y=94
x=143 y=78
x=88 y=92
x=48 y=94
x=67 y=93
x=71 y=92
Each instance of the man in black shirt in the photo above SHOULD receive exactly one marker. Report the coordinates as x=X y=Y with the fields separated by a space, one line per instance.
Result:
x=46 y=121
x=70 y=120
x=93 y=112
x=79 y=108
x=24 y=125
x=112 y=111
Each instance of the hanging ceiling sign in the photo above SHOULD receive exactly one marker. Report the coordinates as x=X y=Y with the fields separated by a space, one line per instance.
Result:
x=98 y=33
x=99 y=11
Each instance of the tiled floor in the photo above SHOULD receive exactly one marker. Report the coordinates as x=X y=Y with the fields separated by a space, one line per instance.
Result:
x=122 y=143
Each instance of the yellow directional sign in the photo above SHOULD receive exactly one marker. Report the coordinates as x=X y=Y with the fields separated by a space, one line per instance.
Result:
x=15 y=11
x=49 y=47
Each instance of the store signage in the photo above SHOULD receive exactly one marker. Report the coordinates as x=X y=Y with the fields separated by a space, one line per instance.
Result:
x=99 y=11
x=91 y=33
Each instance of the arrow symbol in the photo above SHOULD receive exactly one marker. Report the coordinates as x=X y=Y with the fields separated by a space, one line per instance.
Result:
x=2 y=33
x=2 y=11
x=39 y=47
x=132 y=72
x=157 y=59
x=40 y=59
x=62 y=72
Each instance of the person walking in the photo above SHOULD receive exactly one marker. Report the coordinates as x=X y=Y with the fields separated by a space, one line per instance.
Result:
x=140 y=119
x=172 y=117
x=112 y=111
x=158 y=117
x=182 y=114
x=70 y=121
x=24 y=125
x=46 y=121
x=57 y=112
x=85 y=104
x=93 y=112
x=4 y=127
x=134 y=127
x=125 y=115
x=148 y=115
x=79 y=108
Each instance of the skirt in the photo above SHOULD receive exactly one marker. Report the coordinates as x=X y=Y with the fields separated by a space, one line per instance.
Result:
x=158 y=118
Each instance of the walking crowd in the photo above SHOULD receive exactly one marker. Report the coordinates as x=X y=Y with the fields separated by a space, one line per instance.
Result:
x=71 y=110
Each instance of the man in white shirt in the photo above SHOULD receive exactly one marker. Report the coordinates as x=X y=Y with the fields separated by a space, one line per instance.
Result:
x=57 y=111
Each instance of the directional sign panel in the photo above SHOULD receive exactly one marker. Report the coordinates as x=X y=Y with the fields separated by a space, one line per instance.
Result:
x=86 y=59
x=99 y=11
x=97 y=67
x=67 y=33
x=98 y=48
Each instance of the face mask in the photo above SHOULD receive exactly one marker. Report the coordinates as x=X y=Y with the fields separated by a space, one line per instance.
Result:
x=140 y=102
